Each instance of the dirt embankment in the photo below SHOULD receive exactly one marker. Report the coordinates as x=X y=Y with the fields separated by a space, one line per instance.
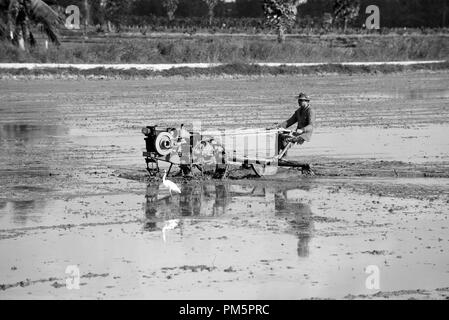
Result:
x=235 y=69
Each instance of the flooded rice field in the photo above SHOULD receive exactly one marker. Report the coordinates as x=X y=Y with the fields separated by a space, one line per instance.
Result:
x=74 y=192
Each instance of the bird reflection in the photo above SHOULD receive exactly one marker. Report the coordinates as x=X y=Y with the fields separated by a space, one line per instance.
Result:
x=170 y=225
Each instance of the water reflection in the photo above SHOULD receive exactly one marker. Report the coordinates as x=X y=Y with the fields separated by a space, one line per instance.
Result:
x=287 y=204
x=21 y=211
x=27 y=133
x=206 y=201
x=197 y=200
x=29 y=146
x=420 y=94
x=410 y=94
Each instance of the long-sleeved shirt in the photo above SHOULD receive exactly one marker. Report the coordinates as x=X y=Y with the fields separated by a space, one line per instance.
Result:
x=305 y=117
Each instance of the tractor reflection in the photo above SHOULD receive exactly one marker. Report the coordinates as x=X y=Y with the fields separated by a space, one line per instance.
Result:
x=214 y=201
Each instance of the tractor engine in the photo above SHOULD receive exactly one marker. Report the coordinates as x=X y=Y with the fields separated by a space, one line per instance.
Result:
x=159 y=141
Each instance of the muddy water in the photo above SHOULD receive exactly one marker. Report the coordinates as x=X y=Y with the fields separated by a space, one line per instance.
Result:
x=308 y=239
x=73 y=191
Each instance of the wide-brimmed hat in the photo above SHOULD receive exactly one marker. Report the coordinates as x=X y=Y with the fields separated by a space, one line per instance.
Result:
x=303 y=97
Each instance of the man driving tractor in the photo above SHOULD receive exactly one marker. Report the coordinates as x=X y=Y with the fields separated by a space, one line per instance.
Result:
x=304 y=116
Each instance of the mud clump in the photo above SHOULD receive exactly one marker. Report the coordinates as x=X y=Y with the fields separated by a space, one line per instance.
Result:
x=197 y=268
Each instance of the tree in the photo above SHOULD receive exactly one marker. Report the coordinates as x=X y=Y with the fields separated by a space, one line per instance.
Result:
x=115 y=10
x=20 y=14
x=211 y=4
x=444 y=15
x=192 y=8
x=346 y=11
x=281 y=14
x=97 y=12
x=170 y=6
x=248 y=8
x=326 y=21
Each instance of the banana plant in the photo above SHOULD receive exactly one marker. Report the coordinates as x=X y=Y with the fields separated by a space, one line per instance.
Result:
x=17 y=16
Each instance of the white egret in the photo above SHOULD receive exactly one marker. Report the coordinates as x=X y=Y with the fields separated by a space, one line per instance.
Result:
x=171 y=186
x=183 y=133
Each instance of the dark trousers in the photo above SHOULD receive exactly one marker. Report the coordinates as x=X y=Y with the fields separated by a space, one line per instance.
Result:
x=284 y=140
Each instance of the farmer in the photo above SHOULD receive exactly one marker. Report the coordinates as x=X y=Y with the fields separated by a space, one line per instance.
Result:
x=304 y=116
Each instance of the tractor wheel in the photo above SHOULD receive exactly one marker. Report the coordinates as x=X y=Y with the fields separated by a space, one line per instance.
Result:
x=221 y=171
